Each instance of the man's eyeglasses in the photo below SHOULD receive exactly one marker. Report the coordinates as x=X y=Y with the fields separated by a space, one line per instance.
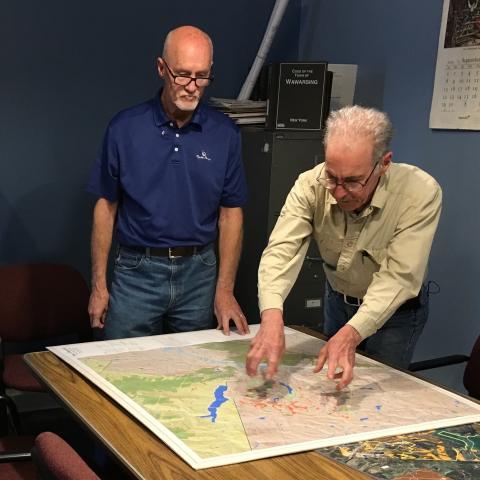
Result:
x=352 y=186
x=184 y=80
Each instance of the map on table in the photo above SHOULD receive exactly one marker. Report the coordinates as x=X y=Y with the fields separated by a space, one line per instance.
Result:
x=191 y=390
x=451 y=453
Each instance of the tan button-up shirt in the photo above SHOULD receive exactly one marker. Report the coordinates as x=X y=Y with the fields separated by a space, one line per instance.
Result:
x=379 y=255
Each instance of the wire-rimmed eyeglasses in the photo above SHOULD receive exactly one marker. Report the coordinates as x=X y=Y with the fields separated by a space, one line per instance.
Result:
x=185 y=80
x=352 y=186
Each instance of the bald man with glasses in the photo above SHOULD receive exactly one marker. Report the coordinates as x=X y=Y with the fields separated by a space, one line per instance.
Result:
x=169 y=181
x=374 y=223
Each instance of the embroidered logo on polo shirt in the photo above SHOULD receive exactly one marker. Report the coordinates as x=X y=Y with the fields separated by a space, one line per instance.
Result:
x=203 y=156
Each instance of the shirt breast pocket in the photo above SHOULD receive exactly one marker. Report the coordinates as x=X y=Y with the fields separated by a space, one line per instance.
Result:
x=374 y=255
x=329 y=249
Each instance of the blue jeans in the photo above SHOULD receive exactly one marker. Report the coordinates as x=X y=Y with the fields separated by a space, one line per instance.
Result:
x=153 y=295
x=395 y=341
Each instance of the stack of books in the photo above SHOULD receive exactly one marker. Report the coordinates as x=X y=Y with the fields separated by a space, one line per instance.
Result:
x=242 y=112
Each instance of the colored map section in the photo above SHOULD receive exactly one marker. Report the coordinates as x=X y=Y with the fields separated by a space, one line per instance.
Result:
x=185 y=392
x=195 y=395
x=201 y=394
x=447 y=453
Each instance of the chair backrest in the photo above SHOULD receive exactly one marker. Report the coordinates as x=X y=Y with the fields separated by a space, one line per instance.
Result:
x=57 y=460
x=41 y=301
x=471 y=377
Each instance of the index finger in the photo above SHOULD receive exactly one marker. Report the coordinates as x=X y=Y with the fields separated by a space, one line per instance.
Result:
x=332 y=367
x=225 y=324
x=322 y=357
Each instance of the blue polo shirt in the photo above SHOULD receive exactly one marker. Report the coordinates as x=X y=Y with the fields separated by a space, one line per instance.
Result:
x=169 y=182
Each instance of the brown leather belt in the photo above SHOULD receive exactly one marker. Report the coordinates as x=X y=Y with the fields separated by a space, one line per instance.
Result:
x=170 y=252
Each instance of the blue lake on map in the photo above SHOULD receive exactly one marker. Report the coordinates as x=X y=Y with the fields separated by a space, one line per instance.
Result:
x=219 y=400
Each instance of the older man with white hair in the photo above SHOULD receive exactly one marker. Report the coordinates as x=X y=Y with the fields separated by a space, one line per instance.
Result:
x=169 y=179
x=374 y=223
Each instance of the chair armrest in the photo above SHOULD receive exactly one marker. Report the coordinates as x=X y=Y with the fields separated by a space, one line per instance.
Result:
x=438 y=362
x=15 y=457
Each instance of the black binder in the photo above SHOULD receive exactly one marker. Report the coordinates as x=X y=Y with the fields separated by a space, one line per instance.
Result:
x=298 y=95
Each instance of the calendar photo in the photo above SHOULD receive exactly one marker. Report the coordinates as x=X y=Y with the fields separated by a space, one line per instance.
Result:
x=456 y=94
x=463 y=23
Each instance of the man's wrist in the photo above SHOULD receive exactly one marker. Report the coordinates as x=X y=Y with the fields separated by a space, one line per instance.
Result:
x=225 y=286
x=355 y=335
x=99 y=286
x=272 y=315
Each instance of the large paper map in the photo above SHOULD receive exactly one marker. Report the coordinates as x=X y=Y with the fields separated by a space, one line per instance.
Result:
x=191 y=390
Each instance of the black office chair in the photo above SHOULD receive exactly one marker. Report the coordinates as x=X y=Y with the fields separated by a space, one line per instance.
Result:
x=16 y=460
x=40 y=304
x=471 y=376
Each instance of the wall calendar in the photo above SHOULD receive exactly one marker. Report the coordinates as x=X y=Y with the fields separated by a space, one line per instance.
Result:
x=456 y=94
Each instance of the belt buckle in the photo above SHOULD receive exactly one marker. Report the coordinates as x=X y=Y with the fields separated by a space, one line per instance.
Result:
x=359 y=301
x=170 y=256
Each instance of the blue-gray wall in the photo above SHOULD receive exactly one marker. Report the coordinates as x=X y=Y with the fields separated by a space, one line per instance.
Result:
x=395 y=47
x=65 y=69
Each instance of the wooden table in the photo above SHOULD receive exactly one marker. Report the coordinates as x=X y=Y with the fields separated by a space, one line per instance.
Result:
x=145 y=455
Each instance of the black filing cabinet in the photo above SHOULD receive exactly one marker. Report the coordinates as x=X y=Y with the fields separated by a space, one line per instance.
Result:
x=273 y=160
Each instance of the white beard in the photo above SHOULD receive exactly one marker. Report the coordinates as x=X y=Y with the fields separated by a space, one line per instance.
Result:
x=186 y=105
